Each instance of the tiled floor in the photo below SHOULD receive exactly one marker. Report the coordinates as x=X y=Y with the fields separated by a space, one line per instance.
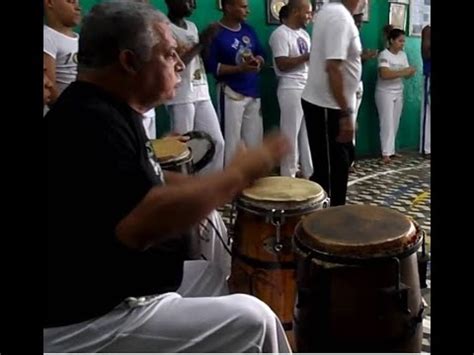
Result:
x=403 y=185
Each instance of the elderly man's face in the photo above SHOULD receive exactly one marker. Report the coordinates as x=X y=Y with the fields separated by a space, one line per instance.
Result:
x=159 y=76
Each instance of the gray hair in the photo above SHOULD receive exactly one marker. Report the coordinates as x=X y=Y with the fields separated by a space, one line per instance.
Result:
x=113 y=26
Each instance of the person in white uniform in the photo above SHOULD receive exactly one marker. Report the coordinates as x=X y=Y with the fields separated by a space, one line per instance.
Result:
x=425 y=131
x=192 y=109
x=335 y=70
x=291 y=44
x=117 y=277
x=60 y=44
x=393 y=67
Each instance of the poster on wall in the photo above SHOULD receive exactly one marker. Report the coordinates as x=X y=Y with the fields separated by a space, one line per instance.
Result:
x=420 y=16
x=398 y=16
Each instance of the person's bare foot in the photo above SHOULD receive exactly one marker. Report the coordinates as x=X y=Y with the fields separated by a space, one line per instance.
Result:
x=386 y=159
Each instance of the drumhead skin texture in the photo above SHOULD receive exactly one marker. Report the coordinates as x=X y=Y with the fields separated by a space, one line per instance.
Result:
x=283 y=189
x=358 y=230
x=168 y=148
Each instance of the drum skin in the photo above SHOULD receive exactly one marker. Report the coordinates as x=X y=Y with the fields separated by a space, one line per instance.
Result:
x=370 y=302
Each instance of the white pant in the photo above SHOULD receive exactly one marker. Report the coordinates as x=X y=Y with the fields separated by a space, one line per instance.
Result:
x=212 y=243
x=242 y=120
x=358 y=101
x=425 y=132
x=293 y=126
x=199 y=116
x=389 y=106
x=149 y=123
x=193 y=319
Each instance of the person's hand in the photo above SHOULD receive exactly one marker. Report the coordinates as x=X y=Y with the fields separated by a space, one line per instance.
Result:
x=368 y=54
x=253 y=163
x=346 y=129
x=411 y=71
x=176 y=136
x=249 y=66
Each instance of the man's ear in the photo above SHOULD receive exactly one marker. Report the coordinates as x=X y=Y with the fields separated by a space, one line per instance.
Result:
x=129 y=61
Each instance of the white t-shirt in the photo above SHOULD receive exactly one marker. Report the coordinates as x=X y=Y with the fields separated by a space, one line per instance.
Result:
x=337 y=37
x=286 y=42
x=193 y=86
x=63 y=49
x=392 y=61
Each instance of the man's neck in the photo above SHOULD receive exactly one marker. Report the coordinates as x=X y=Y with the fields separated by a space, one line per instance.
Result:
x=292 y=23
x=177 y=20
x=59 y=27
x=230 y=23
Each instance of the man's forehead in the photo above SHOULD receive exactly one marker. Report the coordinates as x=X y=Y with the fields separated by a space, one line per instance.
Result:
x=163 y=30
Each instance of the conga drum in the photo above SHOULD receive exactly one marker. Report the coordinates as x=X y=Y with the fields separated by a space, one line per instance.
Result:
x=173 y=155
x=357 y=280
x=263 y=262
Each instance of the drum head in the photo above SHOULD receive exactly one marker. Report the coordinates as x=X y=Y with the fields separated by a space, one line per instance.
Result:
x=283 y=189
x=169 y=149
x=282 y=193
x=358 y=231
x=202 y=148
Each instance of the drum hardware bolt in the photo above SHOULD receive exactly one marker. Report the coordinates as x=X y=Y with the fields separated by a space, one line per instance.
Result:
x=277 y=219
x=327 y=203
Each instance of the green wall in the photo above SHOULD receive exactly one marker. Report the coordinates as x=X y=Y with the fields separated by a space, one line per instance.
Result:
x=368 y=143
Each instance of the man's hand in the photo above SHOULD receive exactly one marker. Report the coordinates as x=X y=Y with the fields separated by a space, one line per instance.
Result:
x=254 y=163
x=346 y=129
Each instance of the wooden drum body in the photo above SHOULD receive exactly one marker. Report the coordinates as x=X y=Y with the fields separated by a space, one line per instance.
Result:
x=358 y=283
x=263 y=262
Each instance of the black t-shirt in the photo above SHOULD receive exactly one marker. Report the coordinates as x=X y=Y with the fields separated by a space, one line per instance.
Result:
x=100 y=166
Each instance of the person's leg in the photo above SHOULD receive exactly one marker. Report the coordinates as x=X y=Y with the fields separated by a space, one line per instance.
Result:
x=172 y=323
x=182 y=117
x=206 y=121
x=233 y=116
x=385 y=107
x=425 y=131
x=290 y=122
x=252 y=124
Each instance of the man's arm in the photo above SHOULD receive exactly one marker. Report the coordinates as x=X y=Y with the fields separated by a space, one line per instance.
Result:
x=50 y=66
x=289 y=63
x=170 y=209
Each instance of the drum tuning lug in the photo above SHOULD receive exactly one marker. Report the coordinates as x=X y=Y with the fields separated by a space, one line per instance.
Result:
x=278 y=247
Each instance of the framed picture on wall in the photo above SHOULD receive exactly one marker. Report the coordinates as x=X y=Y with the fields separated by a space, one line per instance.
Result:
x=273 y=11
x=366 y=17
x=398 y=16
x=406 y=2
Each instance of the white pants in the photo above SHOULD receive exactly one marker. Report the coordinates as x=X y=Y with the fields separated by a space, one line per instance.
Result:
x=425 y=132
x=194 y=319
x=199 y=116
x=389 y=106
x=149 y=123
x=212 y=243
x=293 y=126
x=241 y=118
x=358 y=101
